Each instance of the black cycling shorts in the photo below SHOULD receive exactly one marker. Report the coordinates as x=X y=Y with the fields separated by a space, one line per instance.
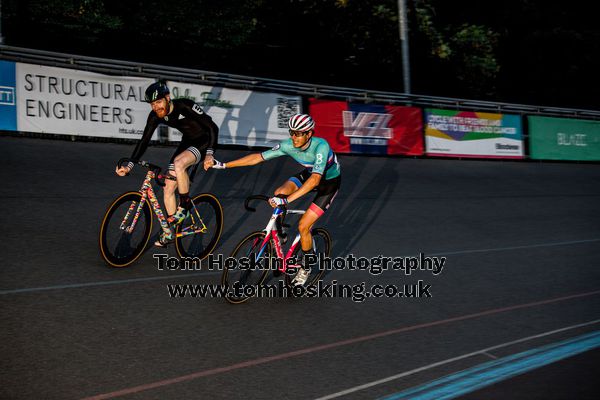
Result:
x=198 y=149
x=326 y=191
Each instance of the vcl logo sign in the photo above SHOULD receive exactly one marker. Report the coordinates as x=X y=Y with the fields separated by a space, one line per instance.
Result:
x=367 y=125
x=7 y=96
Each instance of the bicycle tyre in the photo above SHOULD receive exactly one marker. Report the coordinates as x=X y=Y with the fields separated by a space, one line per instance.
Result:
x=322 y=240
x=211 y=212
x=126 y=256
x=247 y=277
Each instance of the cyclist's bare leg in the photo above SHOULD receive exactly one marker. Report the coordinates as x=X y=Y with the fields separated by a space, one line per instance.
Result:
x=169 y=195
x=182 y=162
x=306 y=222
x=170 y=206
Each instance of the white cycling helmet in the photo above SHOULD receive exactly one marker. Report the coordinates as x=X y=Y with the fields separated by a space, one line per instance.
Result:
x=301 y=123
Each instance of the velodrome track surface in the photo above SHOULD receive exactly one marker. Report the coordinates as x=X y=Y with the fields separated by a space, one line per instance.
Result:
x=522 y=242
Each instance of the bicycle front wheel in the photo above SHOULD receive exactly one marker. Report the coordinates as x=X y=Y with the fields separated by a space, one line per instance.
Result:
x=322 y=247
x=241 y=279
x=125 y=230
x=199 y=234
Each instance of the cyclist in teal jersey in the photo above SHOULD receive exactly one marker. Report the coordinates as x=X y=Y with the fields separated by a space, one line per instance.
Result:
x=322 y=172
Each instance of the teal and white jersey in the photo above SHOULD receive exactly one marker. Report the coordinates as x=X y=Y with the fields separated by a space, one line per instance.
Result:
x=318 y=158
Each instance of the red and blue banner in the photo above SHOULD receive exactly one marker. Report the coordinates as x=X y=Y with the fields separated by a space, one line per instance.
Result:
x=368 y=128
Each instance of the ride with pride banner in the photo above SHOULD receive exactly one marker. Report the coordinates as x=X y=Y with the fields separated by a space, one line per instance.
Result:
x=473 y=134
x=368 y=128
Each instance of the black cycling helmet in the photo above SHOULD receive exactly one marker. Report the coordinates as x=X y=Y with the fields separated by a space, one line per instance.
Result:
x=157 y=90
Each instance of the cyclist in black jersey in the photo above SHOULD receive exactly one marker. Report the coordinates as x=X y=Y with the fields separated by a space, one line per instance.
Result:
x=198 y=143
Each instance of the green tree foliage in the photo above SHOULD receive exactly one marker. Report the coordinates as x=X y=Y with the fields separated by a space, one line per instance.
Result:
x=474 y=48
x=206 y=23
x=529 y=51
x=135 y=24
x=361 y=39
x=74 y=15
x=467 y=51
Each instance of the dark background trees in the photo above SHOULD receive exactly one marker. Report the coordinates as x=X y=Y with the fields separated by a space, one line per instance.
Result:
x=520 y=51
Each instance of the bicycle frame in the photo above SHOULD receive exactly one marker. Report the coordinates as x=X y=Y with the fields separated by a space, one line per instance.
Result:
x=147 y=192
x=271 y=234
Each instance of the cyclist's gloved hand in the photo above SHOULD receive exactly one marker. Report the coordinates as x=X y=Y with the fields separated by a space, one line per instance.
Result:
x=219 y=165
x=277 y=201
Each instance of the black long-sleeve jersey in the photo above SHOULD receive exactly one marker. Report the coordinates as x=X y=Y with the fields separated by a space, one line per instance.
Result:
x=188 y=118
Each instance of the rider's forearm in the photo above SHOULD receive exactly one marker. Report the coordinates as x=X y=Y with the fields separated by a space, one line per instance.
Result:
x=213 y=130
x=141 y=146
x=309 y=185
x=250 y=159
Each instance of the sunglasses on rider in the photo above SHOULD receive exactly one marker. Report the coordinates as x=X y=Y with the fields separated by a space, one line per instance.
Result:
x=298 y=133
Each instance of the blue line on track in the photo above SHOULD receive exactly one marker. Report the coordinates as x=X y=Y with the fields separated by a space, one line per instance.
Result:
x=498 y=370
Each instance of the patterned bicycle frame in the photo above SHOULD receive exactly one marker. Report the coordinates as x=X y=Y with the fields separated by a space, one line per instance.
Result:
x=147 y=192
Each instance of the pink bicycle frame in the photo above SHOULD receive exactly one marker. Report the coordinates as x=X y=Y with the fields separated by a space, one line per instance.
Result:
x=271 y=234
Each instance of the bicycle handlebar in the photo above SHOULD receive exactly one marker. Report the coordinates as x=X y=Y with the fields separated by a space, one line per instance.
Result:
x=254 y=197
x=143 y=163
x=266 y=199
x=158 y=177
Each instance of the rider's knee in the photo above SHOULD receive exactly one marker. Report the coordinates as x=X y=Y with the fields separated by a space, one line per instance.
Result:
x=179 y=165
x=304 y=226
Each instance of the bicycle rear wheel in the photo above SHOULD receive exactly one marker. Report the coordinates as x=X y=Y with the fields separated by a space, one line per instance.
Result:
x=199 y=234
x=322 y=247
x=120 y=246
x=241 y=281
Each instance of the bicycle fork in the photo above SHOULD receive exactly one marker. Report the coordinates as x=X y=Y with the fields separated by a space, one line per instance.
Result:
x=123 y=225
x=129 y=229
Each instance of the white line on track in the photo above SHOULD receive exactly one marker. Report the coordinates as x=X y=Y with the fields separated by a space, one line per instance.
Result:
x=530 y=246
x=451 y=360
x=106 y=283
